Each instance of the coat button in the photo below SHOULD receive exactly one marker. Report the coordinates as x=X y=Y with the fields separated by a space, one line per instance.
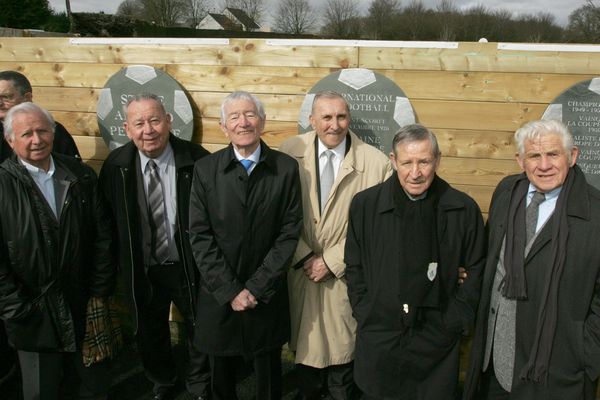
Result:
x=492 y=310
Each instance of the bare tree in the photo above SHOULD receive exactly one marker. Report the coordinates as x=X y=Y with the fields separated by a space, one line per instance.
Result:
x=254 y=8
x=449 y=20
x=415 y=18
x=130 y=8
x=341 y=18
x=295 y=16
x=195 y=10
x=163 y=12
x=379 y=23
x=584 y=24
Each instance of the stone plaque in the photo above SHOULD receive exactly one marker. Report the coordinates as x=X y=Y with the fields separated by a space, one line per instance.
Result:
x=137 y=79
x=579 y=108
x=377 y=105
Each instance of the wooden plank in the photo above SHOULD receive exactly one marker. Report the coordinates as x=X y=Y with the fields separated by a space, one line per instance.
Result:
x=476 y=144
x=474 y=115
x=481 y=194
x=238 y=52
x=64 y=74
x=78 y=123
x=478 y=57
x=477 y=172
x=470 y=86
x=483 y=86
x=91 y=147
x=266 y=79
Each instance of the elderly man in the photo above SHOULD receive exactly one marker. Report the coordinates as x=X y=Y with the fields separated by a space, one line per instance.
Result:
x=16 y=89
x=146 y=184
x=334 y=165
x=55 y=255
x=407 y=238
x=538 y=330
x=245 y=218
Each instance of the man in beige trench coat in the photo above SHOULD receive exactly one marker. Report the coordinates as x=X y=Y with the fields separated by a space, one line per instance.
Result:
x=334 y=165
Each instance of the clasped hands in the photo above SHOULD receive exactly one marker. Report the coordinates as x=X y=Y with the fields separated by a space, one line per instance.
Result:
x=316 y=270
x=244 y=301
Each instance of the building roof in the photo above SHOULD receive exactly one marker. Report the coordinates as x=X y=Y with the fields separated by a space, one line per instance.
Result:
x=224 y=21
x=243 y=18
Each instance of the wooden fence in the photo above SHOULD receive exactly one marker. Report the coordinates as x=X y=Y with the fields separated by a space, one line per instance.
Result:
x=473 y=95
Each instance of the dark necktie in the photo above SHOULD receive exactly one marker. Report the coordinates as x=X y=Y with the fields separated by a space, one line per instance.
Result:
x=156 y=205
x=327 y=178
x=531 y=214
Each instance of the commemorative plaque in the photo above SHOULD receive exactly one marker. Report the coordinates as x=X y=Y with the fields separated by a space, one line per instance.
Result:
x=137 y=79
x=579 y=108
x=377 y=105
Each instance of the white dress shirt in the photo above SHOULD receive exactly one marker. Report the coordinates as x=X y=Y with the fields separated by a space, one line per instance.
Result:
x=254 y=157
x=44 y=181
x=546 y=207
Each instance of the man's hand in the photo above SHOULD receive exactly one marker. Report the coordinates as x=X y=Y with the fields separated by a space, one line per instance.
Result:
x=316 y=270
x=462 y=275
x=243 y=301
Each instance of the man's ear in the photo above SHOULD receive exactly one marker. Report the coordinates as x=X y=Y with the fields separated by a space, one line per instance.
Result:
x=28 y=96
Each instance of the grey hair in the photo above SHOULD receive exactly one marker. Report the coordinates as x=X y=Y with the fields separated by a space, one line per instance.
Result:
x=537 y=129
x=329 y=94
x=416 y=133
x=24 y=108
x=243 y=95
x=142 y=97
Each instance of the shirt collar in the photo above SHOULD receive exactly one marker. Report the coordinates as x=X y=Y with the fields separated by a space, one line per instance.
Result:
x=39 y=172
x=549 y=195
x=339 y=150
x=254 y=157
x=161 y=161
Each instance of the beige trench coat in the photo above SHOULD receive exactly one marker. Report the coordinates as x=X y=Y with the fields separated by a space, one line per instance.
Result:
x=322 y=327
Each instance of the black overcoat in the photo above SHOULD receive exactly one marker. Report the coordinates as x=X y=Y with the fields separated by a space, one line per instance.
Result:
x=50 y=267
x=575 y=360
x=118 y=186
x=393 y=357
x=244 y=231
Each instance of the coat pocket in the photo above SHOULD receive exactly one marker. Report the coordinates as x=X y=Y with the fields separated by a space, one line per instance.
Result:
x=35 y=332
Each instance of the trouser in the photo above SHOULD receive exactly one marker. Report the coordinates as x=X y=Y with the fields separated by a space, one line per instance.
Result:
x=337 y=380
x=154 y=334
x=490 y=388
x=267 y=371
x=7 y=353
x=46 y=374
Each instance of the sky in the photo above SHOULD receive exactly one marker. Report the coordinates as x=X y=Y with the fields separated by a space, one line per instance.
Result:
x=559 y=8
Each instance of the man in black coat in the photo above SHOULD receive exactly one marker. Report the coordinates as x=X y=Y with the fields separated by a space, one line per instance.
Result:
x=538 y=326
x=245 y=219
x=407 y=238
x=16 y=89
x=54 y=256
x=146 y=185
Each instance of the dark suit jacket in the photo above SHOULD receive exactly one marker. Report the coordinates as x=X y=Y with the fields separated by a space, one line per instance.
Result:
x=575 y=361
x=118 y=186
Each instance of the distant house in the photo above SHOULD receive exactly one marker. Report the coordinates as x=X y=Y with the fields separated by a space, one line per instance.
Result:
x=232 y=19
